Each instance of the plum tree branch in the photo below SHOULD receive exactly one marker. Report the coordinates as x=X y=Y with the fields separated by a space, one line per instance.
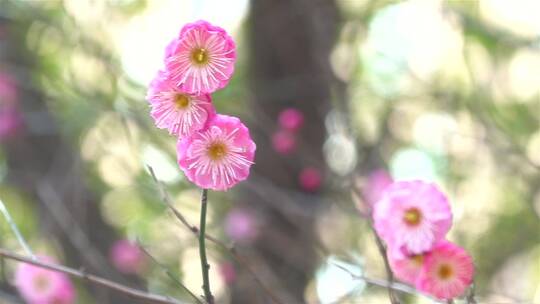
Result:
x=81 y=274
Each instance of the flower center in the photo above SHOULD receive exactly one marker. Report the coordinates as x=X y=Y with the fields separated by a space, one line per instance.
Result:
x=445 y=271
x=181 y=101
x=199 y=56
x=217 y=151
x=412 y=217
x=41 y=283
x=418 y=259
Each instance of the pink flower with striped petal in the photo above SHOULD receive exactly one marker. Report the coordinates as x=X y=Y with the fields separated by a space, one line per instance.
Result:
x=448 y=271
x=178 y=112
x=218 y=157
x=412 y=216
x=202 y=59
x=42 y=286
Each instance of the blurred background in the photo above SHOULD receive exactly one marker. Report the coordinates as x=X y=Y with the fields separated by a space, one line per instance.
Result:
x=445 y=91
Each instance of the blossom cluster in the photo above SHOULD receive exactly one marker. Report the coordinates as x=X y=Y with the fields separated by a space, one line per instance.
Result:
x=413 y=218
x=215 y=151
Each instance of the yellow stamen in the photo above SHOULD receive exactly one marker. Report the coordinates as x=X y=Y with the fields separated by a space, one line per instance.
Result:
x=41 y=283
x=217 y=151
x=199 y=56
x=418 y=259
x=181 y=101
x=412 y=217
x=445 y=271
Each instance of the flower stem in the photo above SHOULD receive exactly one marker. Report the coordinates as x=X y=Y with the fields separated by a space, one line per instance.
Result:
x=202 y=249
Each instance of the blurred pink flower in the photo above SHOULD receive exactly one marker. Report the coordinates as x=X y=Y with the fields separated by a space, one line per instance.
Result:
x=219 y=157
x=227 y=272
x=448 y=271
x=202 y=58
x=310 y=179
x=41 y=286
x=412 y=216
x=284 y=142
x=127 y=257
x=377 y=182
x=408 y=268
x=10 y=121
x=240 y=225
x=291 y=119
x=10 y=116
x=180 y=113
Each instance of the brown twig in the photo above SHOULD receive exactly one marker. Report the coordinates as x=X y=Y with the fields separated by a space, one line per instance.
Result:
x=230 y=249
x=389 y=274
x=81 y=274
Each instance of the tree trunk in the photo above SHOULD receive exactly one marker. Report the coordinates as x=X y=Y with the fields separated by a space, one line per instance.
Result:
x=289 y=43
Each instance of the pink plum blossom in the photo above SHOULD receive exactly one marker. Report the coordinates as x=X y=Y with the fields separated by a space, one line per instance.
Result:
x=407 y=268
x=448 y=271
x=377 y=182
x=127 y=257
x=179 y=112
x=218 y=157
x=284 y=142
x=42 y=286
x=201 y=60
x=240 y=225
x=310 y=179
x=412 y=216
x=291 y=119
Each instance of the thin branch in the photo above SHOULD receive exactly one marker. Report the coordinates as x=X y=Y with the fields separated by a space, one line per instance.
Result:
x=230 y=249
x=81 y=274
x=471 y=295
x=15 y=230
x=389 y=274
x=202 y=249
x=167 y=200
x=385 y=284
x=169 y=273
x=382 y=251
x=52 y=199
